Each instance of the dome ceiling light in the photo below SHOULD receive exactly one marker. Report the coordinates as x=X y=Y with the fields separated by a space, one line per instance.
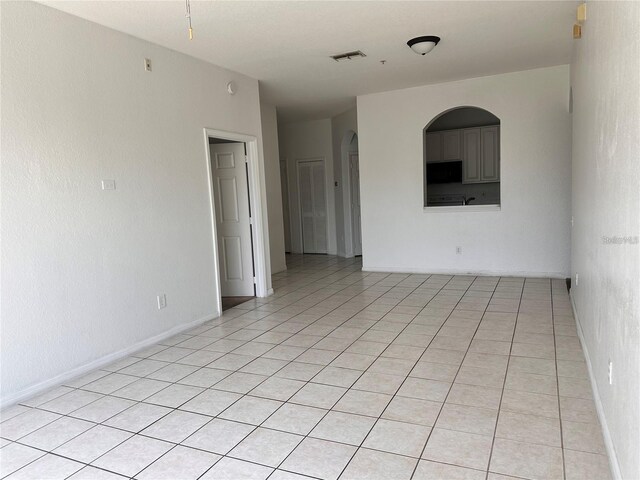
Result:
x=423 y=45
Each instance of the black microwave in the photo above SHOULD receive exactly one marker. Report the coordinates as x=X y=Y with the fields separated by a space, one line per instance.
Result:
x=444 y=172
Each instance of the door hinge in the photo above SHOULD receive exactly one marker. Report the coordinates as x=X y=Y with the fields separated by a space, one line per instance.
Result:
x=246 y=159
x=255 y=281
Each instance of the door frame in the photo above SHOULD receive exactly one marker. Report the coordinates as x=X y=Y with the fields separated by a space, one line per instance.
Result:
x=256 y=197
x=326 y=198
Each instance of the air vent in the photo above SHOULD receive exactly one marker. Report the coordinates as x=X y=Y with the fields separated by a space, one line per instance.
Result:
x=348 y=56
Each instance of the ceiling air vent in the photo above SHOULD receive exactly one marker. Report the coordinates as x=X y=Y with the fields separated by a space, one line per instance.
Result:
x=348 y=56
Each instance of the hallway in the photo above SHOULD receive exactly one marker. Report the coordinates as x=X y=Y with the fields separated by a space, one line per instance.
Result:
x=340 y=374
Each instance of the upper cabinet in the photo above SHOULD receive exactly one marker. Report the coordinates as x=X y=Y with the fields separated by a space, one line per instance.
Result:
x=443 y=146
x=481 y=155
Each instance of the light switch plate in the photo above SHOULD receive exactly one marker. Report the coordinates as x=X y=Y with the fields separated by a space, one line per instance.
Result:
x=108 y=184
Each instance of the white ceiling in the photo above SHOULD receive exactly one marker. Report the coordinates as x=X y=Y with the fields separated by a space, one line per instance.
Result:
x=286 y=44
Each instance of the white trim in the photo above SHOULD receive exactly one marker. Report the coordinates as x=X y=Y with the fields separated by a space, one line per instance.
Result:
x=256 y=190
x=608 y=441
x=462 y=208
x=450 y=271
x=38 y=388
x=345 y=174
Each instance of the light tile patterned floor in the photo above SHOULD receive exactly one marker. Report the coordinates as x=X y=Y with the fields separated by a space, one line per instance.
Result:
x=340 y=374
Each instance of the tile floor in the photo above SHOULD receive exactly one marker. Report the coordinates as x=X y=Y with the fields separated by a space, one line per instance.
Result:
x=340 y=374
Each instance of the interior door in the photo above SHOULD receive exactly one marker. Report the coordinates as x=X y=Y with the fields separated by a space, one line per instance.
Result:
x=356 y=232
x=313 y=205
x=233 y=223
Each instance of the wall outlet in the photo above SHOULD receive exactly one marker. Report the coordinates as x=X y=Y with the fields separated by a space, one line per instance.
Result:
x=108 y=184
x=147 y=64
x=162 y=301
x=577 y=279
x=610 y=373
x=458 y=250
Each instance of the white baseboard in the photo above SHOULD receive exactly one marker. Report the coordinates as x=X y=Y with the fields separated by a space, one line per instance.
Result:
x=608 y=441
x=40 y=387
x=453 y=271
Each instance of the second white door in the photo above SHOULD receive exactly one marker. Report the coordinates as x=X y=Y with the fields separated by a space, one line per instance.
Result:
x=233 y=222
x=313 y=205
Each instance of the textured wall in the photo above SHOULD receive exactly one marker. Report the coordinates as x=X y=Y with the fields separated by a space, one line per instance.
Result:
x=605 y=78
x=531 y=232
x=81 y=267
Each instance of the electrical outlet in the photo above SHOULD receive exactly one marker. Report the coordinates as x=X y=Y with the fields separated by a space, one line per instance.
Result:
x=147 y=64
x=610 y=373
x=458 y=250
x=577 y=279
x=162 y=301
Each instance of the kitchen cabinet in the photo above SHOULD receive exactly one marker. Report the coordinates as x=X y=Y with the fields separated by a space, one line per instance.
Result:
x=481 y=155
x=443 y=146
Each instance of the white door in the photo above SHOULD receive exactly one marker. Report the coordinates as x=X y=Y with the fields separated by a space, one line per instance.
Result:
x=356 y=232
x=313 y=205
x=490 y=165
x=471 y=154
x=233 y=224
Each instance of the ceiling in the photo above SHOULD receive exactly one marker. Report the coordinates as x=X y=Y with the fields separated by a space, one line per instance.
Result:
x=286 y=44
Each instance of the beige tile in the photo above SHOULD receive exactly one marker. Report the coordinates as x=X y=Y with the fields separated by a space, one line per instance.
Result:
x=475 y=396
x=232 y=469
x=480 y=376
x=371 y=464
x=16 y=456
x=412 y=410
x=424 y=389
x=316 y=395
x=180 y=462
x=439 y=471
x=211 y=402
x=530 y=403
x=538 y=366
x=526 y=460
x=398 y=437
x=379 y=382
x=343 y=427
x=463 y=418
x=531 y=382
x=586 y=466
x=458 y=448
x=268 y=447
x=252 y=410
x=92 y=443
x=176 y=426
x=434 y=371
x=336 y=376
x=49 y=466
x=133 y=455
x=585 y=437
x=363 y=403
x=529 y=429
x=293 y=418
x=319 y=458
x=578 y=410
x=56 y=433
x=575 y=387
x=219 y=436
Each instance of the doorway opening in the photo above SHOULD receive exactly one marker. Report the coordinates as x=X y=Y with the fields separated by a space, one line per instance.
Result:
x=313 y=205
x=351 y=195
x=236 y=216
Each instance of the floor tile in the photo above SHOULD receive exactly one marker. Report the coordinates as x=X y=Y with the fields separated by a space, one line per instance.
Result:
x=102 y=409
x=412 y=410
x=458 y=448
x=529 y=428
x=176 y=426
x=25 y=423
x=336 y=376
x=252 y=410
x=277 y=388
x=343 y=427
x=16 y=456
x=174 y=395
x=267 y=447
x=584 y=437
x=463 y=418
x=133 y=455
x=428 y=470
x=51 y=467
x=180 y=462
x=319 y=458
x=294 y=418
x=316 y=395
x=232 y=469
x=219 y=436
x=211 y=402
x=92 y=444
x=586 y=466
x=526 y=460
x=93 y=473
x=363 y=403
x=379 y=382
x=424 y=389
x=372 y=464
x=138 y=417
x=530 y=403
x=398 y=437
x=56 y=433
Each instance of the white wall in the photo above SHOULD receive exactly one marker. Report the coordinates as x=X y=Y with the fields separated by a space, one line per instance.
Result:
x=81 y=267
x=605 y=77
x=273 y=190
x=529 y=235
x=308 y=140
x=342 y=128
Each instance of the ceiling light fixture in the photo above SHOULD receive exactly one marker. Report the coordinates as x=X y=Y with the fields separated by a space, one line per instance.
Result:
x=423 y=45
